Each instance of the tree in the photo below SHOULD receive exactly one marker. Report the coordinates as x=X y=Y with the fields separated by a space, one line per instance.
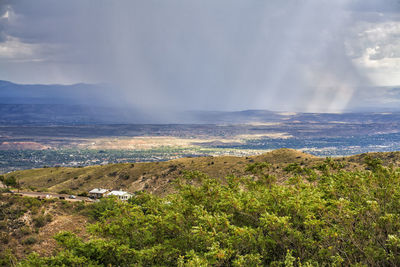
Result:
x=10 y=181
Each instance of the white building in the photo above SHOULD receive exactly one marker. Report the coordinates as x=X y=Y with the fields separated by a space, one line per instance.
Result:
x=98 y=192
x=121 y=195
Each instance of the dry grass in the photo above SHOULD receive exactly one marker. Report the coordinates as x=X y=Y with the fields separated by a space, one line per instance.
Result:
x=156 y=177
x=72 y=223
x=19 y=223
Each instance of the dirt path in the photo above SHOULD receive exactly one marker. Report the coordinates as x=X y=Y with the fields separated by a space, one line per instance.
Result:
x=51 y=195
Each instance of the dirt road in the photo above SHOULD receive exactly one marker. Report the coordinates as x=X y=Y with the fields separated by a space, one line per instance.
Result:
x=46 y=195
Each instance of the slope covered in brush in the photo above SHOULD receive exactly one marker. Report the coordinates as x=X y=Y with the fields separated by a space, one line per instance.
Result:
x=328 y=218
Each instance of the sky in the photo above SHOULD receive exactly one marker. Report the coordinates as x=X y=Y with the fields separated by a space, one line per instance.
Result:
x=286 y=55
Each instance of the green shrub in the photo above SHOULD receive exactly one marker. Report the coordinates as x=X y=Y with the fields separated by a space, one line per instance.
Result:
x=113 y=174
x=8 y=258
x=25 y=230
x=80 y=206
x=293 y=168
x=4 y=190
x=10 y=181
x=83 y=194
x=41 y=220
x=30 y=202
x=30 y=241
x=256 y=168
x=3 y=225
x=124 y=176
x=66 y=205
x=4 y=237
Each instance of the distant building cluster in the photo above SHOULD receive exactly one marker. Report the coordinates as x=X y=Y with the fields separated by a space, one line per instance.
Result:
x=97 y=193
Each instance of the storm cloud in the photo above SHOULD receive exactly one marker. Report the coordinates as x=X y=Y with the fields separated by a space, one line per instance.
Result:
x=312 y=55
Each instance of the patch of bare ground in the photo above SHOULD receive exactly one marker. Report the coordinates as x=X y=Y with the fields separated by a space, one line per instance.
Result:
x=72 y=223
x=22 y=145
x=28 y=225
x=151 y=142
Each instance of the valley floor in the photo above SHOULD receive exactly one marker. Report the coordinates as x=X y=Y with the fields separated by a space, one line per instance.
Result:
x=36 y=146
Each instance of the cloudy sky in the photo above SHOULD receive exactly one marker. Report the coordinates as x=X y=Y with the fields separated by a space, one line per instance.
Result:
x=295 y=55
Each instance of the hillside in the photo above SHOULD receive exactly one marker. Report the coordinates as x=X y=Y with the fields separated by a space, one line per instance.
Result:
x=157 y=177
x=153 y=177
x=304 y=205
x=320 y=212
x=28 y=224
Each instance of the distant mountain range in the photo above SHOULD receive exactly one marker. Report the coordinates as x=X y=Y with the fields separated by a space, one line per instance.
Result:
x=61 y=104
x=89 y=104
x=49 y=94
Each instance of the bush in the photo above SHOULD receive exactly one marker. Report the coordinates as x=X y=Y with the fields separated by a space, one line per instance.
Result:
x=373 y=164
x=124 y=176
x=4 y=238
x=25 y=230
x=8 y=258
x=80 y=206
x=65 y=205
x=10 y=181
x=3 y=225
x=258 y=167
x=97 y=209
x=113 y=174
x=30 y=202
x=4 y=190
x=30 y=241
x=41 y=220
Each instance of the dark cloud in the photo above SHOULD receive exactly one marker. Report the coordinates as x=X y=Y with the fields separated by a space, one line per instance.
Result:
x=375 y=6
x=226 y=54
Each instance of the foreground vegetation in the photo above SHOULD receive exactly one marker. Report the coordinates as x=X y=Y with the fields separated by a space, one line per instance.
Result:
x=322 y=215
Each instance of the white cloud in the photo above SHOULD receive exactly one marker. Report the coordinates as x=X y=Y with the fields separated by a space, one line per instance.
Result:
x=5 y=15
x=375 y=49
x=386 y=38
x=15 y=50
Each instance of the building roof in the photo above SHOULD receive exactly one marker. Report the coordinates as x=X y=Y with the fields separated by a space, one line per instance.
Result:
x=98 y=191
x=119 y=193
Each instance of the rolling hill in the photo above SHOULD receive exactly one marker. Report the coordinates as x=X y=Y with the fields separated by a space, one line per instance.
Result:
x=158 y=177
